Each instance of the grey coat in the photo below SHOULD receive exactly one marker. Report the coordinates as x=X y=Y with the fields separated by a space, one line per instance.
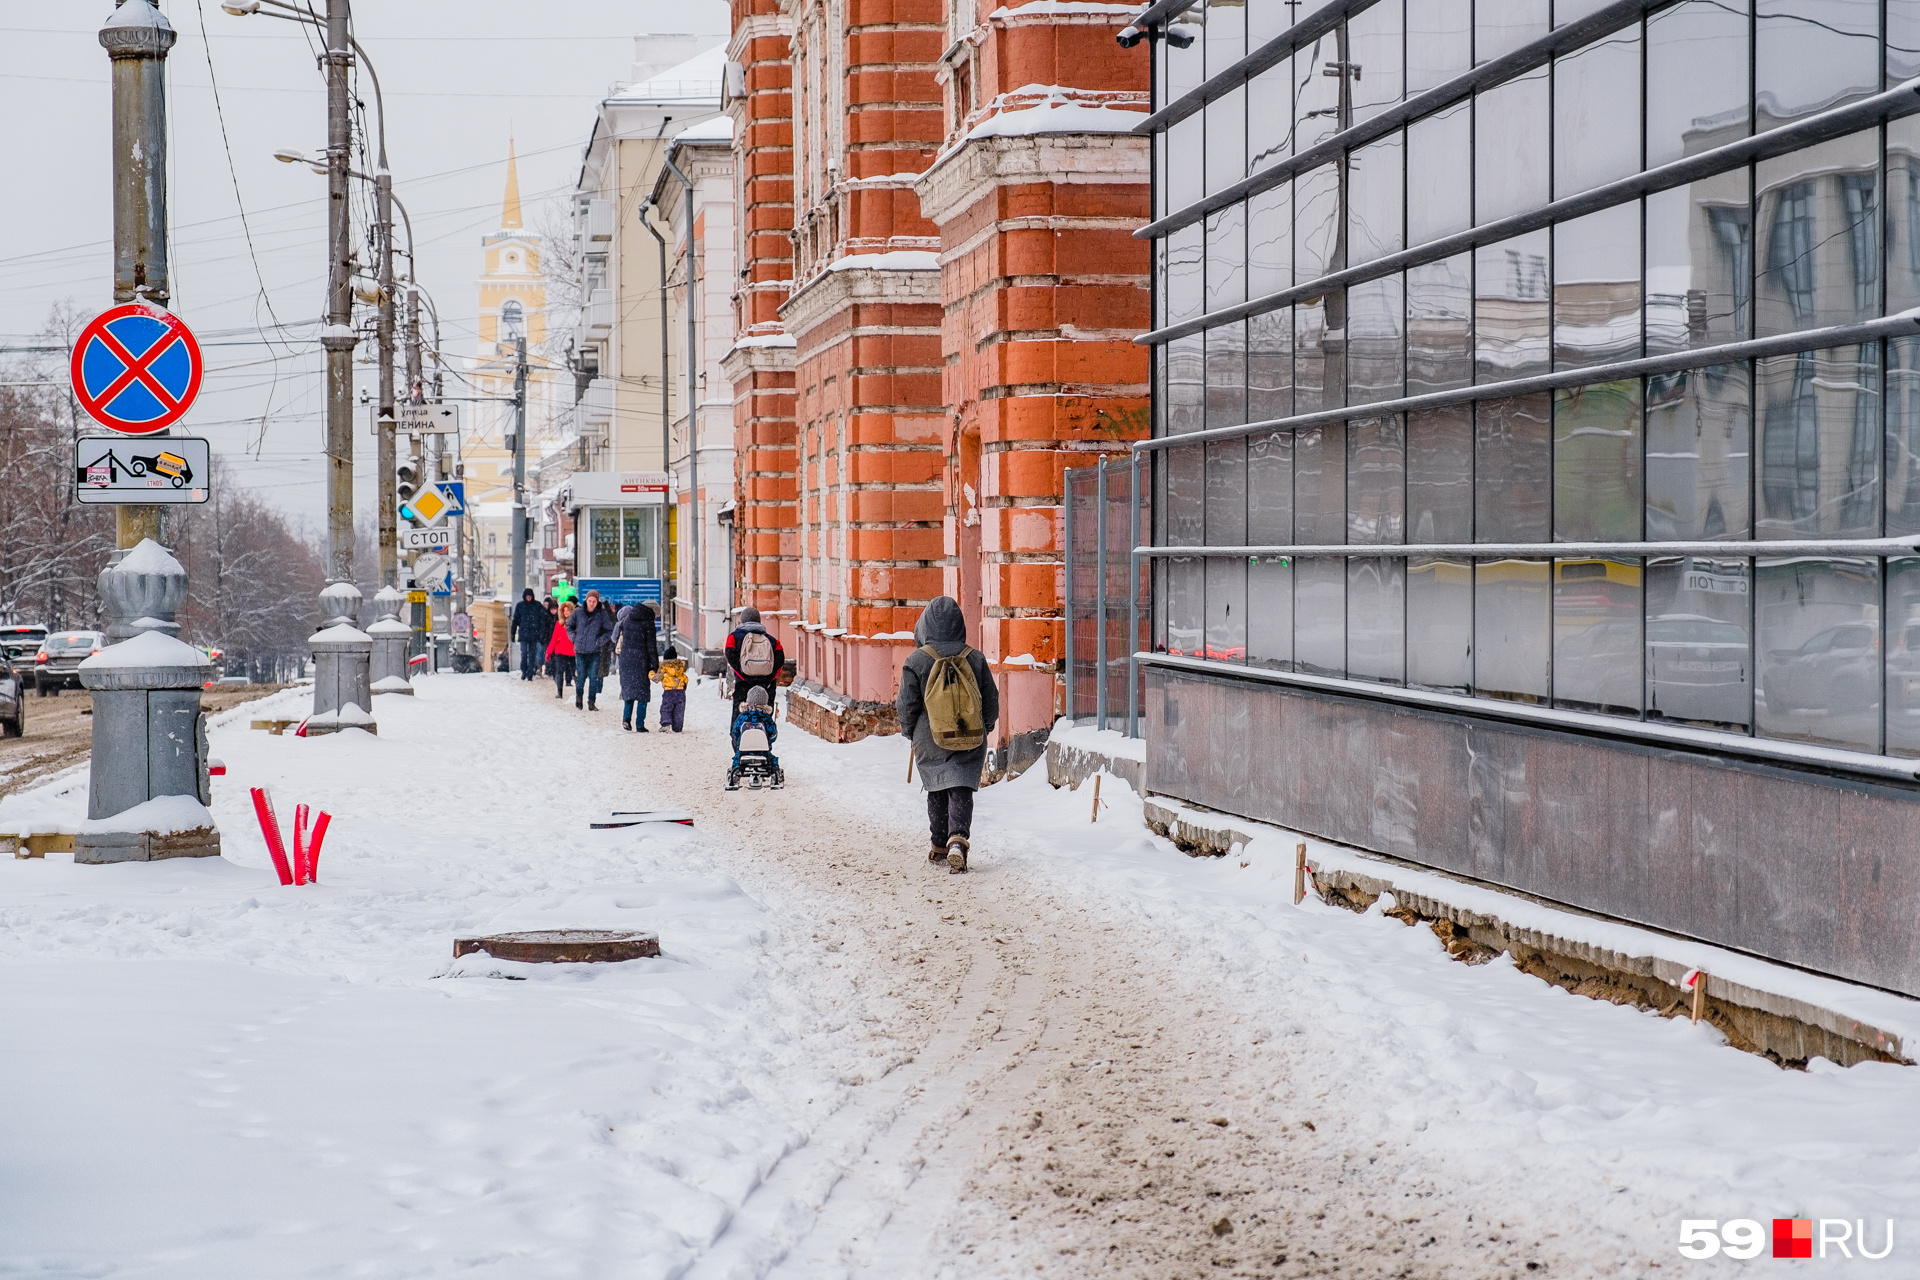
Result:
x=944 y=627
x=591 y=629
x=639 y=653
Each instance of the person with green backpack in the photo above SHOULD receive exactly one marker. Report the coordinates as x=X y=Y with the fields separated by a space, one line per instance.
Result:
x=948 y=705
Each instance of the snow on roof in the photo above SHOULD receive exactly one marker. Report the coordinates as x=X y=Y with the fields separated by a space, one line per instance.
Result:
x=150 y=557
x=695 y=80
x=893 y=260
x=1055 y=116
x=766 y=340
x=148 y=649
x=718 y=129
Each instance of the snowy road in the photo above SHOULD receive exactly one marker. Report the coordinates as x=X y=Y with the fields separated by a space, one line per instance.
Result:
x=1089 y=1057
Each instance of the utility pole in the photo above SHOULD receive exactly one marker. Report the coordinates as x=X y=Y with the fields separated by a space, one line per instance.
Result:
x=137 y=39
x=1334 y=355
x=389 y=518
x=519 y=542
x=338 y=337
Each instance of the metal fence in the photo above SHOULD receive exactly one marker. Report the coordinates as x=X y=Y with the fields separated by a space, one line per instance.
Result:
x=1107 y=594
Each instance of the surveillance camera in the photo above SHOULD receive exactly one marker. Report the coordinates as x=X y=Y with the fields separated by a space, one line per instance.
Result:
x=1181 y=36
x=1130 y=36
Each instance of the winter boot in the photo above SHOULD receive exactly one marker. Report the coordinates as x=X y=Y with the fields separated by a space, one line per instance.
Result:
x=937 y=854
x=956 y=854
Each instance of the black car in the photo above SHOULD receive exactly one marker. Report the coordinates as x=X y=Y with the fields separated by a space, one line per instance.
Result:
x=13 y=700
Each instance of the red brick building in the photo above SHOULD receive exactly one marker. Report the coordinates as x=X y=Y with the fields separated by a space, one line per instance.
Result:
x=959 y=287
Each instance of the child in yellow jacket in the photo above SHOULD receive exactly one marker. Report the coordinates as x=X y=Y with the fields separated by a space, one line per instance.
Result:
x=673 y=690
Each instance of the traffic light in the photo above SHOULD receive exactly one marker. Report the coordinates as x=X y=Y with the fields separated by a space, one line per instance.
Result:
x=406 y=483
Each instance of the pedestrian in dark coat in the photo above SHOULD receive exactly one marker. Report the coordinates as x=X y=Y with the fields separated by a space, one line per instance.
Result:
x=591 y=627
x=749 y=623
x=949 y=777
x=528 y=625
x=639 y=659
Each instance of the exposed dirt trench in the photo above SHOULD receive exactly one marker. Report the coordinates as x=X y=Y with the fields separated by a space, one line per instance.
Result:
x=1067 y=1102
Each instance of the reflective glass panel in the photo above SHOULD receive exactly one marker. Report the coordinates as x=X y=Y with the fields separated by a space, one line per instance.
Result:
x=1376 y=480
x=1226 y=139
x=1226 y=493
x=1375 y=42
x=1440 y=325
x=1597 y=493
x=606 y=541
x=1186 y=273
x=1226 y=257
x=1225 y=31
x=1227 y=374
x=1185 y=508
x=1440 y=475
x=1819 y=235
x=1376 y=341
x=1376 y=619
x=1817 y=646
x=1186 y=606
x=1820 y=438
x=1596 y=636
x=1565 y=11
x=1903 y=212
x=1316 y=97
x=1903 y=437
x=1270 y=524
x=1320 y=485
x=1813 y=54
x=1699 y=264
x=1319 y=365
x=1513 y=465
x=1316 y=227
x=1439 y=42
x=1699 y=455
x=1696 y=78
x=1270 y=117
x=1226 y=609
x=1596 y=134
x=1185 y=407
x=1903 y=657
x=1270 y=241
x=1270 y=365
x=1439 y=173
x=1320 y=615
x=1186 y=169
x=1596 y=288
x=1501 y=26
x=1440 y=625
x=1376 y=196
x=1699 y=659
x=1512 y=627
x=1511 y=162
x=637 y=553
x=1185 y=69
x=1511 y=310
x=1903 y=43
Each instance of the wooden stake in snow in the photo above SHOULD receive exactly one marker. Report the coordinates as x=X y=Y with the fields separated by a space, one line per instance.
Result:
x=1096 y=799
x=1697 y=982
x=1299 y=873
x=909 y=765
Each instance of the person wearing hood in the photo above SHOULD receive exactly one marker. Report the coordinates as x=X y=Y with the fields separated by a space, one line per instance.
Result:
x=755 y=657
x=527 y=626
x=949 y=775
x=591 y=627
x=639 y=659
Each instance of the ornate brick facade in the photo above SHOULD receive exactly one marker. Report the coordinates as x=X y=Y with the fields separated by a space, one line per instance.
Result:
x=965 y=289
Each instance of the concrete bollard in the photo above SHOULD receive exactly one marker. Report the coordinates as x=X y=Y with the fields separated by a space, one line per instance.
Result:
x=390 y=640
x=148 y=788
x=342 y=664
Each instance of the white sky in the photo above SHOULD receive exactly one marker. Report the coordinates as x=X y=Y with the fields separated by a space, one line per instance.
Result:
x=459 y=75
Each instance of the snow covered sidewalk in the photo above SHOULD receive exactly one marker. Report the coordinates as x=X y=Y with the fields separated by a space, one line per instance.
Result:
x=1092 y=1056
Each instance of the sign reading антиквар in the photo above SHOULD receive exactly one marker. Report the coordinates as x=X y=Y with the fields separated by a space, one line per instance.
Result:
x=1743 y=1238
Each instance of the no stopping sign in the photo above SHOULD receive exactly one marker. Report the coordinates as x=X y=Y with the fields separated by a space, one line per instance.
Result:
x=136 y=369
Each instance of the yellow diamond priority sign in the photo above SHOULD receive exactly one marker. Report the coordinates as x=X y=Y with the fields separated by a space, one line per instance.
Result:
x=429 y=505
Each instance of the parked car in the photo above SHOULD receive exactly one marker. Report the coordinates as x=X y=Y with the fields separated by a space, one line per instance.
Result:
x=20 y=642
x=1836 y=670
x=1697 y=669
x=13 y=700
x=57 y=665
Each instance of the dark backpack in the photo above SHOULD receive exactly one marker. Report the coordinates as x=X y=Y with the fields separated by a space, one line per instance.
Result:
x=951 y=697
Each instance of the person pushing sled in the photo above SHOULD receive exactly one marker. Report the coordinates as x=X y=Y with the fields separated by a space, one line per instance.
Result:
x=754 y=732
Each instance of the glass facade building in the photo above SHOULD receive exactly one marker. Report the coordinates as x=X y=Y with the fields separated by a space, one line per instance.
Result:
x=1545 y=354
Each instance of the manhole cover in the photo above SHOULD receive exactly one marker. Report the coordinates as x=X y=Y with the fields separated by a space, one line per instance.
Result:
x=562 y=946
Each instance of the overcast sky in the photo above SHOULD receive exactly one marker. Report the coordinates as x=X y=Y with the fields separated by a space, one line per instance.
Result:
x=459 y=76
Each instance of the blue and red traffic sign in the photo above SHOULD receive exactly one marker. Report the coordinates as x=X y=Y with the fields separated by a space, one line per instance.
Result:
x=136 y=369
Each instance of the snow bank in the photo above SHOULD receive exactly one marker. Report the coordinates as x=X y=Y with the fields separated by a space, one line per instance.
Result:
x=1106 y=742
x=892 y=260
x=162 y=815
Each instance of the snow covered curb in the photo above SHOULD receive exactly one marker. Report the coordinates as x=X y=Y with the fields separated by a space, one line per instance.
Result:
x=1878 y=1020
x=1077 y=752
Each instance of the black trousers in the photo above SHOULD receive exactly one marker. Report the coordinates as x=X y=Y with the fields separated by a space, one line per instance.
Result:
x=950 y=813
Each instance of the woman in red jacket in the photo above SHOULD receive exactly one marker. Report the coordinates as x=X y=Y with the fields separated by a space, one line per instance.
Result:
x=560 y=653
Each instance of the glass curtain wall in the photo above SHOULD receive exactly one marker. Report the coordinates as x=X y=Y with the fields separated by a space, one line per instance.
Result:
x=1382 y=213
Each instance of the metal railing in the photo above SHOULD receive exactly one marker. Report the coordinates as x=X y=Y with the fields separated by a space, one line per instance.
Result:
x=1106 y=593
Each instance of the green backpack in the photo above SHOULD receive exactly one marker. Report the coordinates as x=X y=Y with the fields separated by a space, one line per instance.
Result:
x=952 y=699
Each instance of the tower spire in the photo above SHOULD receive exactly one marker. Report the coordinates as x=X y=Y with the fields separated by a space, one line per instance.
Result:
x=510 y=207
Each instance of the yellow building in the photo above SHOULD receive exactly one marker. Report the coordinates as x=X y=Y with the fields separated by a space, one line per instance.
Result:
x=513 y=304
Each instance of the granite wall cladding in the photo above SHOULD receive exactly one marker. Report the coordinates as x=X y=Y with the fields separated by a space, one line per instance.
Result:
x=1809 y=870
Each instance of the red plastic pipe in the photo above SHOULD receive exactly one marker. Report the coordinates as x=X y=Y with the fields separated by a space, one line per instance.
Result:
x=270 y=828
x=313 y=845
x=300 y=859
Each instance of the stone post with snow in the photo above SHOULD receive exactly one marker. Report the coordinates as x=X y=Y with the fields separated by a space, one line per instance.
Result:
x=342 y=657
x=391 y=638
x=148 y=793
